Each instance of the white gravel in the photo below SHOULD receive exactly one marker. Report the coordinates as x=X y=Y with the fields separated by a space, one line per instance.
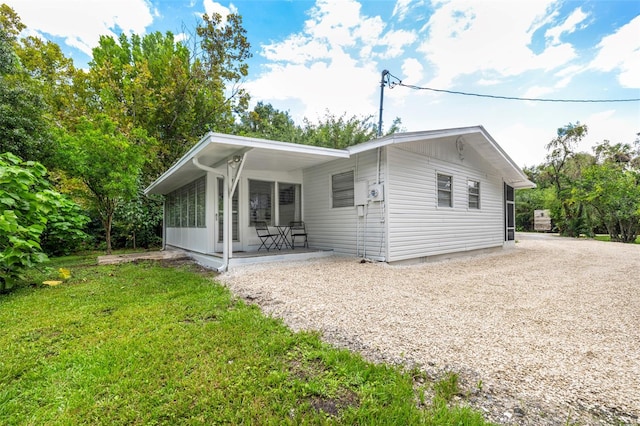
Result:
x=551 y=328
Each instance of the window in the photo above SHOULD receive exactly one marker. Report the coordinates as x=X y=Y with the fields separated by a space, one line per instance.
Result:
x=342 y=189
x=473 y=188
x=510 y=213
x=288 y=202
x=260 y=202
x=201 y=194
x=445 y=194
x=186 y=205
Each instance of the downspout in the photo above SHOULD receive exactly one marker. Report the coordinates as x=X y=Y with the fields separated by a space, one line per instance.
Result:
x=164 y=223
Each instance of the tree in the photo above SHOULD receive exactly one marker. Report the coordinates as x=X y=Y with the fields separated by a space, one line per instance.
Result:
x=611 y=188
x=563 y=168
x=139 y=221
x=269 y=123
x=10 y=27
x=52 y=75
x=338 y=132
x=175 y=94
x=222 y=63
x=107 y=161
x=23 y=126
x=29 y=207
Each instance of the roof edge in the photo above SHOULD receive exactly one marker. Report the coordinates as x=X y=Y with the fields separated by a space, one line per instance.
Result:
x=244 y=141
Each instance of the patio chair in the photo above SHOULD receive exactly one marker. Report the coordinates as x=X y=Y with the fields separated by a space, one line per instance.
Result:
x=297 y=229
x=267 y=239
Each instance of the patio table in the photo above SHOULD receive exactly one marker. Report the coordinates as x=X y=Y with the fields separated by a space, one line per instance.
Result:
x=283 y=240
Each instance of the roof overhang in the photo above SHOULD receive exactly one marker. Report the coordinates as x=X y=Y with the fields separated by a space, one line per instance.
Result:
x=214 y=150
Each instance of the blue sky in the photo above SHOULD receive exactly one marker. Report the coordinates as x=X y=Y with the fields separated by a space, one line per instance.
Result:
x=315 y=56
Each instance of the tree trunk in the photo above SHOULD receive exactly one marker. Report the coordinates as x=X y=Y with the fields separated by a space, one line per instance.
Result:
x=107 y=229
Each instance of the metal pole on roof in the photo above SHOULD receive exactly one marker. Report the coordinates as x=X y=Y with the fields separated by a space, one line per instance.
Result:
x=384 y=74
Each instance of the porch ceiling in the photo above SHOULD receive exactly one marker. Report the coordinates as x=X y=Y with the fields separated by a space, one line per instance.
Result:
x=214 y=150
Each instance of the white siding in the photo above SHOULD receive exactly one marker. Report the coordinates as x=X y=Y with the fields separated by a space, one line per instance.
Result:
x=417 y=226
x=195 y=239
x=341 y=229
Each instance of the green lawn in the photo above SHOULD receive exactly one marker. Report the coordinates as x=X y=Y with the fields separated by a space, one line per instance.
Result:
x=603 y=237
x=147 y=344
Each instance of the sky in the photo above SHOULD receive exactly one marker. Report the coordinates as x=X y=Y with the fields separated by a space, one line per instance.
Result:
x=313 y=57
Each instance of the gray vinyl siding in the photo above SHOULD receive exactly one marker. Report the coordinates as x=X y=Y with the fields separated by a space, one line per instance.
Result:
x=341 y=229
x=417 y=226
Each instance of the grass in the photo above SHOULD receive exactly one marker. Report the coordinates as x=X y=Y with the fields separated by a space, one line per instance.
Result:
x=604 y=237
x=147 y=344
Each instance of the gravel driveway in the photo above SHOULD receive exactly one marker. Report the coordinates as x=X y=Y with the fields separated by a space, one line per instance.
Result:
x=551 y=328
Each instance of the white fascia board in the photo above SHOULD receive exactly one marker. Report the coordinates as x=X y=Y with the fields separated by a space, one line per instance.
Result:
x=276 y=145
x=245 y=142
x=398 y=138
x=184 y=159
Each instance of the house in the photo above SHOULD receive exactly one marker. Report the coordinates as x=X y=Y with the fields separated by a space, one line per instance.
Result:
x=402 y=197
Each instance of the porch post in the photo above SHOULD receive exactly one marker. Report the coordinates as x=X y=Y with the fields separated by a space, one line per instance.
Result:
x=229 y=212
x=235 y=165
x=226 y=213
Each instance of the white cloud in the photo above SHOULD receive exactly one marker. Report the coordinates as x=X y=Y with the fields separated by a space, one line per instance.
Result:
x=466 y=37
x=404 y=7
x=211 y=7
x=330 y=64
x=621 y=51
x=523 y=142
x=608 y=125
x=569 y=71
x=537 y=92
x=82 y=22
x=488 y=82
x=568 y=26
x=297 y=49
x=339 y=86
x=180 y=37
x=412 y=69
x=396 y=42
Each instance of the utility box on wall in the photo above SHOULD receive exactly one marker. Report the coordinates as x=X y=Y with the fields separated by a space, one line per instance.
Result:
x=360 y=192
x=376 y=192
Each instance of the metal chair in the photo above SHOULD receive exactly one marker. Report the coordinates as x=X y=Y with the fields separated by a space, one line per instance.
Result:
x=267 y=239
x=297 y=229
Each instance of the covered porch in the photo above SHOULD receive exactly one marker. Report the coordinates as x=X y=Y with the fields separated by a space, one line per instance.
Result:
x=229 y=184
x=239 y=259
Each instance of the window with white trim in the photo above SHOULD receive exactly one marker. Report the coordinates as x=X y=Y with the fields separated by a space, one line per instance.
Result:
x=473 y=189
x=445 y=190
x=260 y=202
x=289 y=198
x=342 y=192
x=186 y=205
